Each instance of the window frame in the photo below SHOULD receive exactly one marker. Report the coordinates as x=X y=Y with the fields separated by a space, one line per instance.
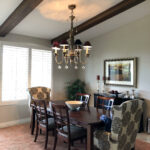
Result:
x=30 y=47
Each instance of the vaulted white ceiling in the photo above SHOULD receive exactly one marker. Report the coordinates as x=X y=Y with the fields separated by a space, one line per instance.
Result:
x=122 y=19
x=49 y=19
x=7 y=7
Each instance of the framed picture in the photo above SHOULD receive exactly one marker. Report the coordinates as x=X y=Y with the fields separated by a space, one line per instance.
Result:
x=120 y=72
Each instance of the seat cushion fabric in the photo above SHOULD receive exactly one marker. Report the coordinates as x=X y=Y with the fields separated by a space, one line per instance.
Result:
x=76 y=132
x=102 y=141
x=51 y=123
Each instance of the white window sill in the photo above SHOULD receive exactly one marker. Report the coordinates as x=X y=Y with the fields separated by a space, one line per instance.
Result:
x=19 y=102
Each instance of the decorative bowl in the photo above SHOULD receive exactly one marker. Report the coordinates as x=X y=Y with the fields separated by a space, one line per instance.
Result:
x=73 y=105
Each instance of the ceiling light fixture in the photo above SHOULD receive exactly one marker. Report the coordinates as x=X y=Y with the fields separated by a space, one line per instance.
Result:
x=72 y=52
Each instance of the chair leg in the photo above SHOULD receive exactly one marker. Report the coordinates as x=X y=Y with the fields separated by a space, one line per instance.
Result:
x=32 y=125
x=40 y=131
x=53 y=132
x=55 y=142
x=72 y=143
x=37 y=130
x=46 y=140
x=69 y=145
x=86 y=143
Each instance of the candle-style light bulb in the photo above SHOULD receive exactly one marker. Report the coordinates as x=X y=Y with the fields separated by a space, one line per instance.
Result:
x=87 y=51
x=64 y=49
x=55 y=51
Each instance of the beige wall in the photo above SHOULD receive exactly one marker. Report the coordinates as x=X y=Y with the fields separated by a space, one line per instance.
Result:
x=20 y=110
x=131 y=40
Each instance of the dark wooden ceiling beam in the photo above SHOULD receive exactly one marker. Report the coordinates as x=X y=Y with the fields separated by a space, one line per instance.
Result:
x=18 y=15
x=109 y=13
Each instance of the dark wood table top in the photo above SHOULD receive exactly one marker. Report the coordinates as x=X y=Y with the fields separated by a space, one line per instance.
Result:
x=84 y=116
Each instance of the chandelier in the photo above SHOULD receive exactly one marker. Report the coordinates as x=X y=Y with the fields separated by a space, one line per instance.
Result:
x=71 y=52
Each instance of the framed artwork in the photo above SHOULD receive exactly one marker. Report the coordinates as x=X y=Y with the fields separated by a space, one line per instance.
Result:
x=121 y=72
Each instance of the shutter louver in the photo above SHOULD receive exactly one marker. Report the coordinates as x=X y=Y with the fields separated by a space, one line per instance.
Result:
x=41 y=68
x=14 y=73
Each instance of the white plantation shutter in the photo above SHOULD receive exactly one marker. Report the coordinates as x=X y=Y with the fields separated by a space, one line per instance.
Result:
x=14 y=73
x=41 y=68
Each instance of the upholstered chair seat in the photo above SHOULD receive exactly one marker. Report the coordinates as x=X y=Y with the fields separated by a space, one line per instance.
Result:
x=63 y=129
x=125 y=126
x=51 y=123
x=75 y=132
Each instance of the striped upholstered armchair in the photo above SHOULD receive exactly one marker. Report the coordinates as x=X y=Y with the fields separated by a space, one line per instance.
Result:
x=124 y=128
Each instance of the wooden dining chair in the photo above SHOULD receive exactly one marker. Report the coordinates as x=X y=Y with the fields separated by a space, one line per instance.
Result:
x=38 y=93
x=63 y=129
x=84 y=97
x=104 y=103
x=42 y=121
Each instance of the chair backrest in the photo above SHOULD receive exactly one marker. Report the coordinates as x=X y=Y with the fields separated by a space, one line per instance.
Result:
x=61 y=119
x=84 y=97
x=104 y=102
x=39 y=93
x=41 y=111
x=126 y=122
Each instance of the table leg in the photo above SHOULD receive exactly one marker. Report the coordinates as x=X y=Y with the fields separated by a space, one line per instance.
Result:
x=89 y=137
x=32 y=121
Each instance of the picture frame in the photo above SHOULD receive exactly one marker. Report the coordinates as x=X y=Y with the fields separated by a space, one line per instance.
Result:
x=121 y=72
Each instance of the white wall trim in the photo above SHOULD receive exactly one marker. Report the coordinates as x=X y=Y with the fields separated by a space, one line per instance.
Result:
x=14 y=122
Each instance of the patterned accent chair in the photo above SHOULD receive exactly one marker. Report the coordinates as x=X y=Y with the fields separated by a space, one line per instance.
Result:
x=125 y=126
x=37 y=93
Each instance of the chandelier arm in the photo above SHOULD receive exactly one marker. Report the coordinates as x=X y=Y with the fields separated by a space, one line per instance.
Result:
x=58 y=62
x=82 y=62
x=66 y=60
x=76 y=59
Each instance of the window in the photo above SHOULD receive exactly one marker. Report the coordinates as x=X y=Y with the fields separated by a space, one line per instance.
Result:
x=41 y=68
x=14 y=73
x=19 y=67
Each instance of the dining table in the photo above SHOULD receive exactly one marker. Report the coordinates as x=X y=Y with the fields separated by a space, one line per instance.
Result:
x=86 y=117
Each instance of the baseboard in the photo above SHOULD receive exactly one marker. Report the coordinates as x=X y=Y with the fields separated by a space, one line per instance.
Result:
x=14 y=122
